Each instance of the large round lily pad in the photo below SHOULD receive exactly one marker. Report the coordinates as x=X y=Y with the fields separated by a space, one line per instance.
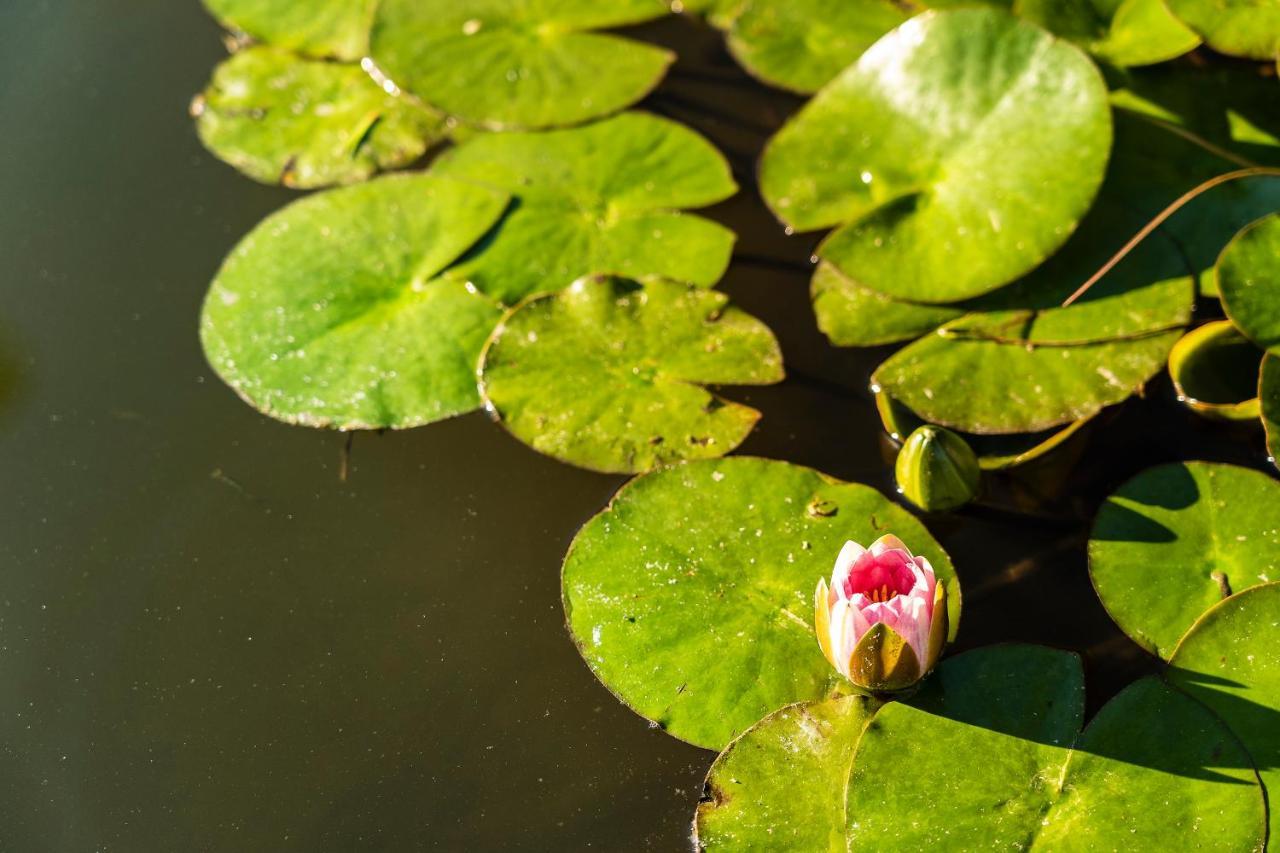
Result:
x=608 y=374
x=1230 y=661
x=1153 y=770
x=322 y=28
x=802 y=44
x=781 y=785
x=1248 y=28
x=1122 y=32
x=961 y=150
x=605 y=198
x=519 y=63
x=1248 y=275
x=691 y=596
x=1177 y=539
x=331 y=312
x=281 y=118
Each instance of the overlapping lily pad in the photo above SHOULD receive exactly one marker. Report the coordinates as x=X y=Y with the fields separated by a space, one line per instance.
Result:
x=1230 y=661
x=608 y=374
x=1121 y=32
x=1269 y=402
x=1215 y=372
x=604 y=198
x=958 y=153
x=850 y=315
x=802 y=44
x=1248 y=275
x=282 y=118
x=332 y=312
x=691 y=596
x=1176 y=540
x=519 y=63
x=321 y=28
x=1249 y=28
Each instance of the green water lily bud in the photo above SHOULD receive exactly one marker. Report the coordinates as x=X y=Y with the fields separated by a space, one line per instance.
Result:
x=937 y=470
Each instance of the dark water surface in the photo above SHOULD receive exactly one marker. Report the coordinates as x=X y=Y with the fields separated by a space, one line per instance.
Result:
x=210 y=642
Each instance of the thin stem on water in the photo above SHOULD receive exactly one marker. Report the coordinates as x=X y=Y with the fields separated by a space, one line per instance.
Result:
x=1174 y=207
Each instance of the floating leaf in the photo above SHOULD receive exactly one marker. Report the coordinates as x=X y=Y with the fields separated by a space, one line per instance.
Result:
x=1152 y=770
x=1249 y=28
x=604 y=198
x=961 y=149
x=321 y=28
x=801 y=44
x=691 y=596
x=1269 y=402
x=1177 y=539
x=331 y=312
x=519 y=63
x=1230 y=661
x=1248 y=274
x=280 y=118
x=1122 y=32
x=850 y=315
x=607 y=374
x=1214 y=370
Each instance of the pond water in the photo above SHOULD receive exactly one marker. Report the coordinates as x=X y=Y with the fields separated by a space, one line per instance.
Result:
x=210 y=640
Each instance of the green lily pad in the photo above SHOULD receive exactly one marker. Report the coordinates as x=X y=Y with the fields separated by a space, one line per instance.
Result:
x=608 y=374
x=719 y=13
x=331 y=313
x=802 y=44
x=953 y=164
x=1248 y=274
x=320 y=28
x=281 y=118
x=1230 y=662
x=691 y=596
x=1181 y=774
x=1122 y=32
x=781 y=784
x=1176 y=540
x=1269 y=402
x=850 y=315
x=519 y=63
x=605 y=198
x=1249 y=28
x=1214 y=370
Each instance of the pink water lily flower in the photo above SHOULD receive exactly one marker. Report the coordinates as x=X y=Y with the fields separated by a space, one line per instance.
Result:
x=883 y=621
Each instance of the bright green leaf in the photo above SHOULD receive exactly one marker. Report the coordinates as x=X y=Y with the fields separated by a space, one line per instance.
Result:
x=853 y=316
x=1249 y=28
x=1248 y=275
x=1122 y=32
x=320 y=28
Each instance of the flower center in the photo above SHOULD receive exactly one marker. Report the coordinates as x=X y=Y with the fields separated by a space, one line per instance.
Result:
x=881 y=595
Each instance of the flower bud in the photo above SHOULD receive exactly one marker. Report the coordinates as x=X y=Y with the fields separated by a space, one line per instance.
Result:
x=937 y=470
x=883 y=621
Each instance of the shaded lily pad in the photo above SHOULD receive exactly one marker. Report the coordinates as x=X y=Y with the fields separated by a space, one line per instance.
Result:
x=1177 y=539
x=321 y=28
x=1122 y=32
x=691 y=596
x=281 y=118
x=802 y=44
x=1181 y=773
x=607 y=374
x=1230 y=661
x=853 y=316
x=1249 y=28
x=955 y=163
x=1248 y=275
x=1269 y=402
x=1214 y=370
x=510 y=63
x=604 y=198
x=331 y=311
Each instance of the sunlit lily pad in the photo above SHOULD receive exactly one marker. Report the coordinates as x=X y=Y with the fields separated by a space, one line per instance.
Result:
x=1151 y=771
x=1269 y=402
x=1248 y=275
x=1249 y=28
x=1215 y=372
x=1177 y=539
x=1121 y=32
x=691 y=596
x=519 y=63
x=850 y=315
x=802 y=44
x=322 y=28
x=332 y=313
x=1230 y=661
x=604 y=198
x=281 y=118
x=961 y=150
x=608 y=374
